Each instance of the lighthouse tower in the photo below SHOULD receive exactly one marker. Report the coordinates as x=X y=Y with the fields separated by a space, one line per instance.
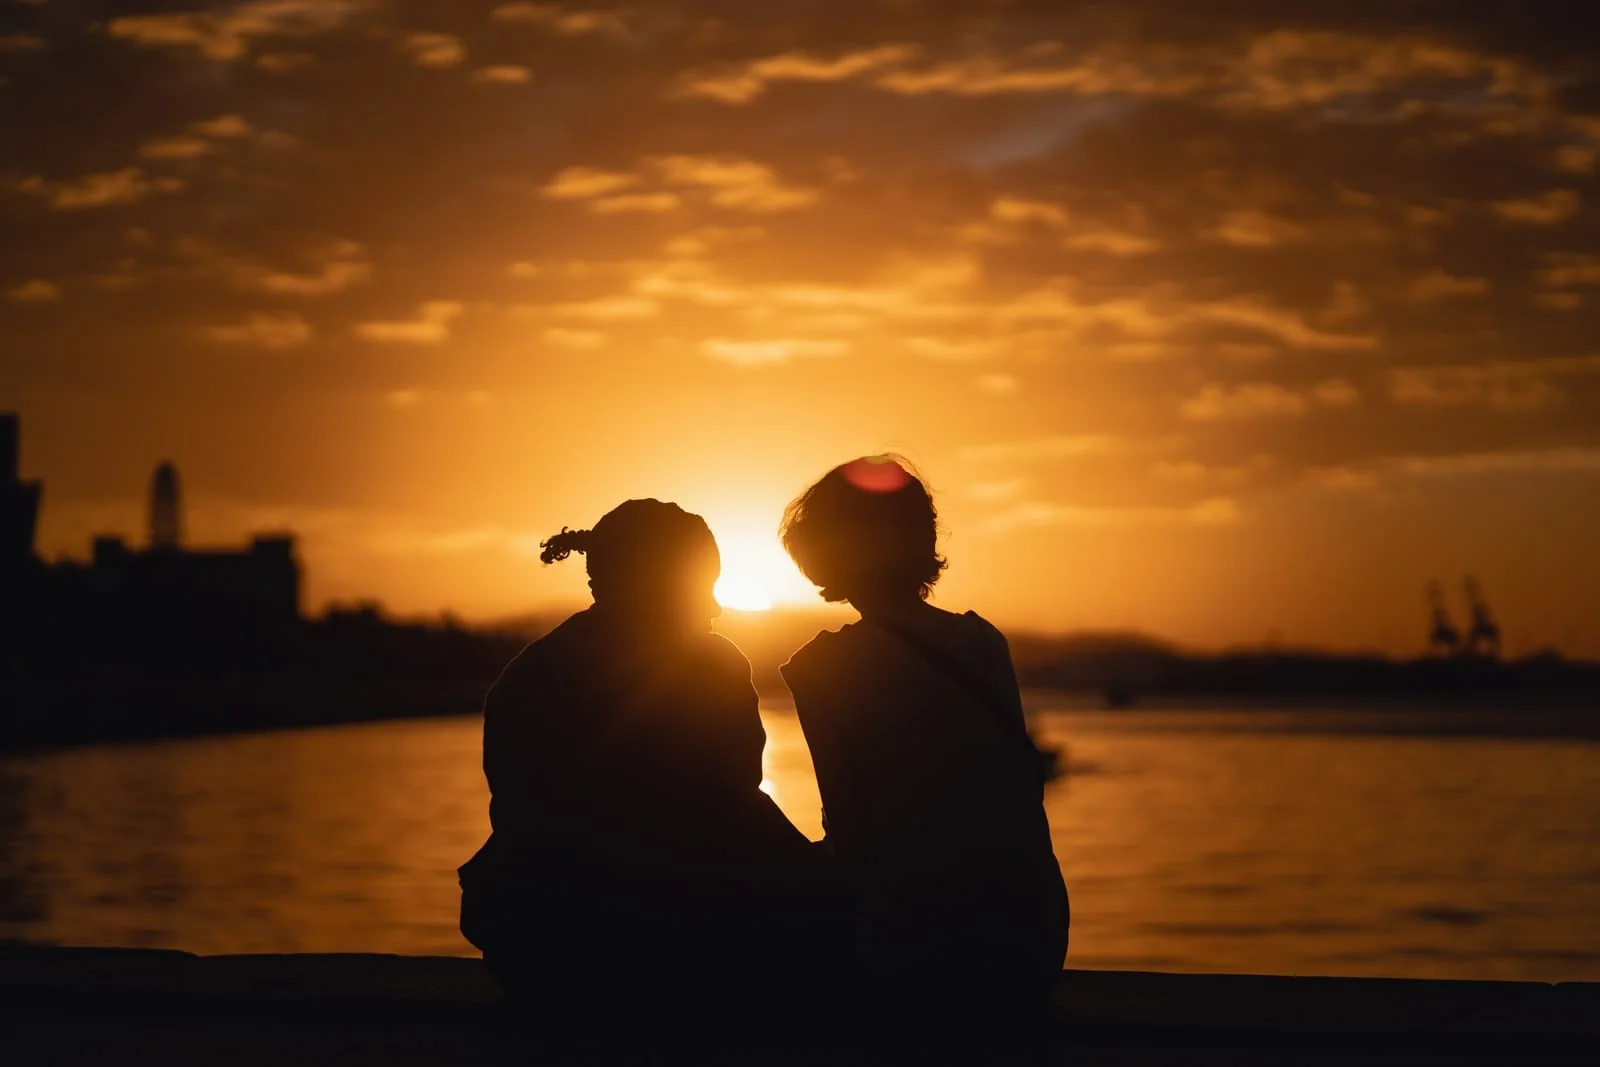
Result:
x=166 y=509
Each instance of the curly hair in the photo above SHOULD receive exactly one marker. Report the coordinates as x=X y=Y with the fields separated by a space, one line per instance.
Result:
x=558 y=547
x=866 y=525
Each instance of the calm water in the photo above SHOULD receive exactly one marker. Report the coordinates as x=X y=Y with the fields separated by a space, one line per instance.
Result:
x=1200 y=841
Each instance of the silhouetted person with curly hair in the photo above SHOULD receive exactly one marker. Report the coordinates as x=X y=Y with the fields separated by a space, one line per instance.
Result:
x=623 y=753
x=931 y=787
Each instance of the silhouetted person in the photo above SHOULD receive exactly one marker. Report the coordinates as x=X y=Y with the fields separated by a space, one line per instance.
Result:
x=931 y=788
x=633 y=852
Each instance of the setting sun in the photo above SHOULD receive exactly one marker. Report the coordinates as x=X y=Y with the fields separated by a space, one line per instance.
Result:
x=756 y=572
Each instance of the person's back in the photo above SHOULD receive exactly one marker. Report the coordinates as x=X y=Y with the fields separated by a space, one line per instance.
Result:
x=623 y=755
x=931 y=787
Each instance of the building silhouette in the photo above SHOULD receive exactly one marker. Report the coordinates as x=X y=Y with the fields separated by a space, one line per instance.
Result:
x=165 y=602
x=19 y=500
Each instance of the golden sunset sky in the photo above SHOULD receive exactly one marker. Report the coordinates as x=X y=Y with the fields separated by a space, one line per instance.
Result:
x=1217 y=321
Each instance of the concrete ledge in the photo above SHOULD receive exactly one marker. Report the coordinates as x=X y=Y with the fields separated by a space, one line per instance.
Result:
x=367 y=1002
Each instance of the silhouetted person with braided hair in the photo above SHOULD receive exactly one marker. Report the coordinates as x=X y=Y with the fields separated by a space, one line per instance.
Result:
x=623 y=753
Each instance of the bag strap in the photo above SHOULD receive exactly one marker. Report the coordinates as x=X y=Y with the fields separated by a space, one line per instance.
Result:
x=940 y=660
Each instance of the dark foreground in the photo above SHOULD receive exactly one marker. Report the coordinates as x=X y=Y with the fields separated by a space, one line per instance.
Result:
x=130 y=1006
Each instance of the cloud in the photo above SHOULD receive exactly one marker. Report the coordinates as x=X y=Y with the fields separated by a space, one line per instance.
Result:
x=223 y=127
x=21 y=42
x=225 y=34
x=285 y=62
x=1287 y=326
x=954 y=349
x=126 y=186
x=1215 y=511
x=1255 y=229
x=1440 y=284
x=1546 y=209
x=1253 y=400
x=1566 y=269
x=569 y=23
x=1519 y=387
x=575 y=340
x=505 y=74
x=581 y=183
x=1569 y=459
x=273 y=330
x=1248 y=401
x=34 y=291
x=179 y=147
x=1001 y=384
x=436 y=51
x=762 y=353
x=1336 y=393
x=610 y=308
x=636 y=203
x=342 y=265
x=430 y=327
x=734 y=182
x=740 y=84
x=1085 y=236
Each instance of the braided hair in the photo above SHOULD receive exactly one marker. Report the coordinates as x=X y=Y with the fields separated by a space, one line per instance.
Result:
x=559 y=546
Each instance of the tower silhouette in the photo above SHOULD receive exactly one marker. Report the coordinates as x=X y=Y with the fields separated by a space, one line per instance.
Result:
x=1444 y=637
x=166 y=509
x=1484 y=637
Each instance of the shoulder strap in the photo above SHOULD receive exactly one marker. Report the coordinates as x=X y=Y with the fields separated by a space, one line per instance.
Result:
x=982 y=695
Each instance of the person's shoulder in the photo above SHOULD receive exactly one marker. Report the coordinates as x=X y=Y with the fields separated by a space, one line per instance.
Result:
x=725 y=654
x=821 y=650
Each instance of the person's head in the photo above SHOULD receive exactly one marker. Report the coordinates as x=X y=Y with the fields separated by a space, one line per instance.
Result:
x=866 y=530
x=647 y=558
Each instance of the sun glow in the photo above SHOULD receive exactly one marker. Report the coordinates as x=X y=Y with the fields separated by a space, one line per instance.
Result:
x=756 y=572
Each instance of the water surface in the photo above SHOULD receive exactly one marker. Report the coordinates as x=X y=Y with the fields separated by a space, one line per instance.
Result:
x=1197 y=841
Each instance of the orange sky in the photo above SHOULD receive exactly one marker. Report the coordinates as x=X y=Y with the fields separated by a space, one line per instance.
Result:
x=1221 y=326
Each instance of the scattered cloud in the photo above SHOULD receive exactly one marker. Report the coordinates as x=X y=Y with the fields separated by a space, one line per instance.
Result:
x=223 y=127
x=575 y=340
x=34 y=291
x=610 y=308
x=1518 y=387
x=339 y=266
x=734 y=182
x=21 y=42
x=273 y=330
x=636 y=203
x=1440 y=284
x=436 y=51
x=1566 y=270
x=1248 y=401
x=179 y=147
x=1546 y=209
x=742 y=83
x=582 y=183
x=1255 y=229
x=762 y=353
x=126 y=186
x=568 y=22
x=430 y=327
x=1001 y=384
x=1336 y=393
x=505 y=74
x=225 y=33
x=285 y=62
